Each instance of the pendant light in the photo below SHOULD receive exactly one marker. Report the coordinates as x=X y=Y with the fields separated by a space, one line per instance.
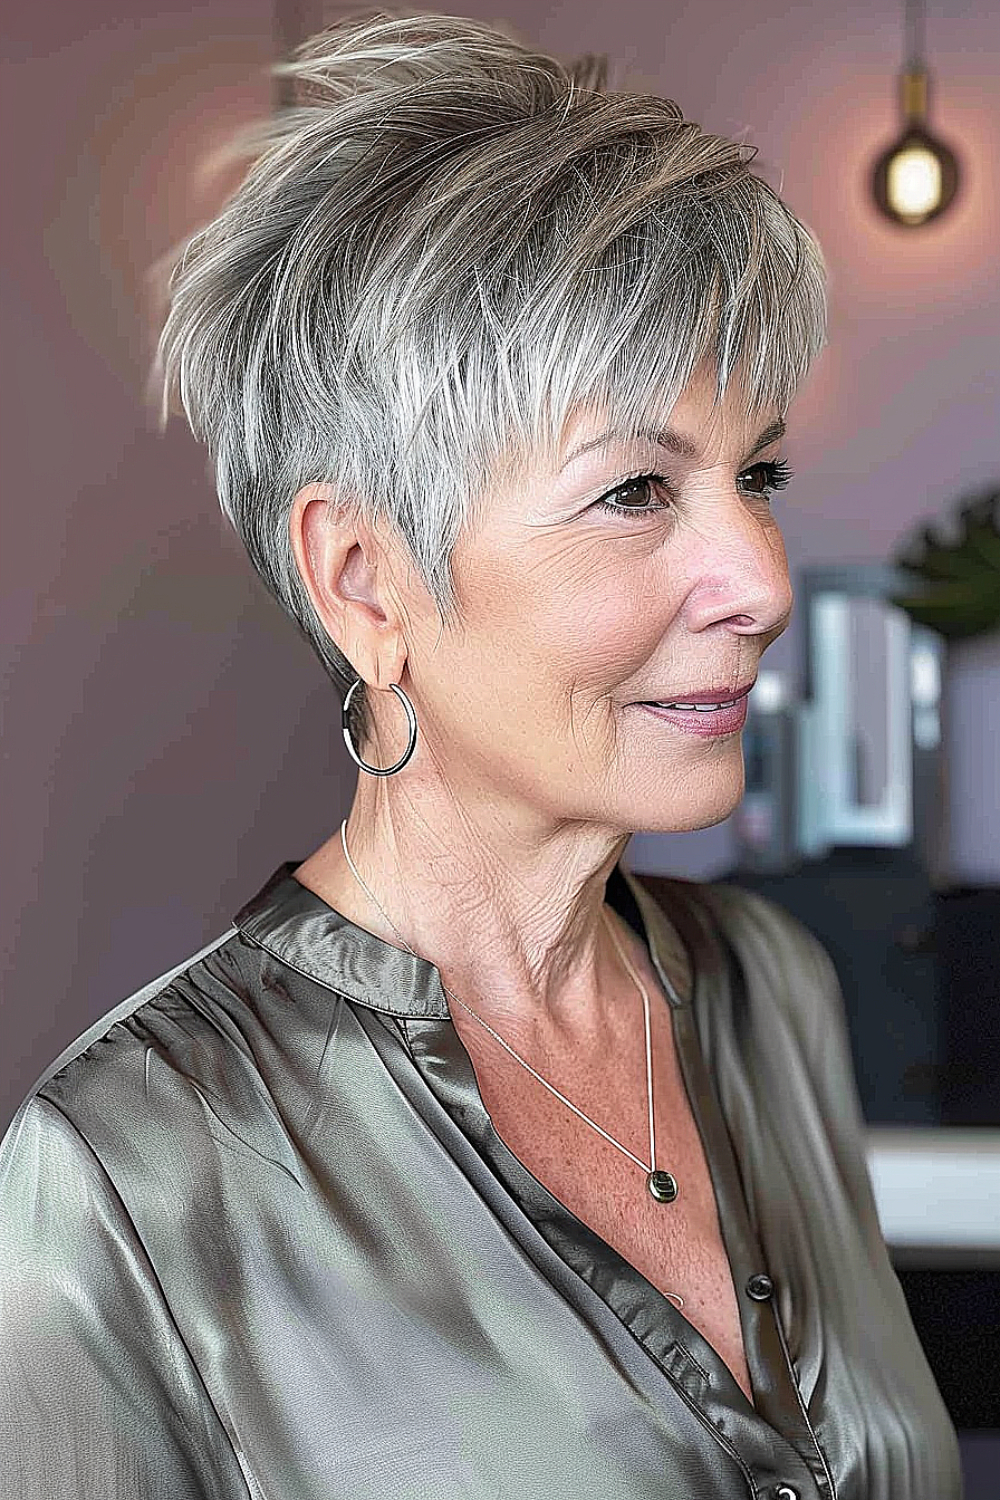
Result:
x=916 y=179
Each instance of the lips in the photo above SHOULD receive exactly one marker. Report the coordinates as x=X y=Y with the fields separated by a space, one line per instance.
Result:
x=705 y=722
x=724 y=694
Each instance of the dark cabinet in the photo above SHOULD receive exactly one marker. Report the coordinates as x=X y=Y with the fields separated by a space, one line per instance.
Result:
x=920 y=973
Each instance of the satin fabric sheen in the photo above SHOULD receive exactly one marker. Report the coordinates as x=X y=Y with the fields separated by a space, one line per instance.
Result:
x=259 y=1238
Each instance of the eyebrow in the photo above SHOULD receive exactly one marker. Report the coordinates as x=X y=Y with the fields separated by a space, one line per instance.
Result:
x=667 y=437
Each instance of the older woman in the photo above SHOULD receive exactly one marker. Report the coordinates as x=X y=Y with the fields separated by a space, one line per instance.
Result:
x=463 y=1165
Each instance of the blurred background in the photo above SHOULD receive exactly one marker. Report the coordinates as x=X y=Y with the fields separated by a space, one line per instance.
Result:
x=144 y=796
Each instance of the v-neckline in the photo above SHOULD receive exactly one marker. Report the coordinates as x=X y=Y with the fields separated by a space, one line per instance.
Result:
x=677 y=1344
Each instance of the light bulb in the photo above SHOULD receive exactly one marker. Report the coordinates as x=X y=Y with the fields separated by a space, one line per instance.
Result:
x=917 y=177
x=914 y=184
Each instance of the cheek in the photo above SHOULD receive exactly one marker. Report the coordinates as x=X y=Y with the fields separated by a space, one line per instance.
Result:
x=588 y=638
x=569 y=618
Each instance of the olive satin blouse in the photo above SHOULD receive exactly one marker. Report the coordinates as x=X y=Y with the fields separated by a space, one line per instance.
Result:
x=259 y=1238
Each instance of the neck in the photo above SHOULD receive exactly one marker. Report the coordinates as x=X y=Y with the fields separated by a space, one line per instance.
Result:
x=508 y=906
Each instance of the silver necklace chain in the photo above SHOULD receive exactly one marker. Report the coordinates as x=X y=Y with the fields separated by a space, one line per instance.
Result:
x=670 y=1190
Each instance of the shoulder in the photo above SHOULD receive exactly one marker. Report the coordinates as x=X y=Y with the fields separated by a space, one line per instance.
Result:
x=100 y=1179
x=761 y=931
x=782 y=963
x=771 y=985
x=119 y=1031
x=785 y=1008
x=127 y=1098
x=769 y=937
x=759 y=924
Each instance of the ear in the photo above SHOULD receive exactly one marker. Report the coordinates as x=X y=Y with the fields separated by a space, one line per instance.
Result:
x=344 y=571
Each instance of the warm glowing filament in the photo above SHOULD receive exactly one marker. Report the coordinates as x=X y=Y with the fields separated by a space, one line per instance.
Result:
x=914 y=184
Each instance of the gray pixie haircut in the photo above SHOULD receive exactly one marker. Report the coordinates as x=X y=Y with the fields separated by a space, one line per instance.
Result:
x=446 y=244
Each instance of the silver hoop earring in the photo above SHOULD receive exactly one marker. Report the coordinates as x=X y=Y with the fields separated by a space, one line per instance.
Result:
x=411 y=718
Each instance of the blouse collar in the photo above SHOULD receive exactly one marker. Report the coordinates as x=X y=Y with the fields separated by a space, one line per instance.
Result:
x=298 y=928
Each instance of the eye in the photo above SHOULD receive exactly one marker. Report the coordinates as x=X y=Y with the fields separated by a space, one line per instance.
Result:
x=638 y=487
x=767 y=476
x=772 y=475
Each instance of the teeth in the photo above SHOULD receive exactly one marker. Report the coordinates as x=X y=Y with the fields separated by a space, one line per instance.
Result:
x=703 y=708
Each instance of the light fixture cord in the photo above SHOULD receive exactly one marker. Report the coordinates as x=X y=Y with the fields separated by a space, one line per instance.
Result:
x=914 y=34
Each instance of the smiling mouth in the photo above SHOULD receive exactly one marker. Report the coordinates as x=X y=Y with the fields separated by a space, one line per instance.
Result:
x=701 y=708
x=708 y=701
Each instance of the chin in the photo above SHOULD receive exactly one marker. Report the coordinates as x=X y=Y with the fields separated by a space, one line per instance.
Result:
x=688 y=807
x=668 y=824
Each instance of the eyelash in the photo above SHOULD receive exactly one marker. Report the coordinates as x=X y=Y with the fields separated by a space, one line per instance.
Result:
x=777 y=474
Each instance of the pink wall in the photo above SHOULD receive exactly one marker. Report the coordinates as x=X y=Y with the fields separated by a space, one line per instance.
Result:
x=145 y=793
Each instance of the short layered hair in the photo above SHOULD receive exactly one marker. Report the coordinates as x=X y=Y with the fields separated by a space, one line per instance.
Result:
x=444 y=246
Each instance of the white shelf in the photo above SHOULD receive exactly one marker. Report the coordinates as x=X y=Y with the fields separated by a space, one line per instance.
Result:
x=937 y=1189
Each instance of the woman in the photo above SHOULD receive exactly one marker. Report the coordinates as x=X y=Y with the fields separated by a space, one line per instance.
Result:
x=461 y=1165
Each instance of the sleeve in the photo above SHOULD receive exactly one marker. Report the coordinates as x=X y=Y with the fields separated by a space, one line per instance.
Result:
x=99 y=1397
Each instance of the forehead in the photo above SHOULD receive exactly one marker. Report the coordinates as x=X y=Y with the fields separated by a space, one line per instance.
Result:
x=693 y=424
x=635 y=397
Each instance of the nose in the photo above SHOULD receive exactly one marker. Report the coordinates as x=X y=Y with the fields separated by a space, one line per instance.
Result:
x=739 y=571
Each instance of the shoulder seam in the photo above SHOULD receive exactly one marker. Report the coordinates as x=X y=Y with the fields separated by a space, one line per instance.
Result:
x=120 y=1012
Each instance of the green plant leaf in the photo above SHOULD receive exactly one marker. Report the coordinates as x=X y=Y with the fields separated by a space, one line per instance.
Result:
x=961 y=593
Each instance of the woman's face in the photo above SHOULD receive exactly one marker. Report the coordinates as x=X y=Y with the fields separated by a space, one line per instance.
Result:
x=574 y=616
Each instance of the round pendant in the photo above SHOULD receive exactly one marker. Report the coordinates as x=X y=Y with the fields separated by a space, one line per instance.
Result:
x=663 y=1186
